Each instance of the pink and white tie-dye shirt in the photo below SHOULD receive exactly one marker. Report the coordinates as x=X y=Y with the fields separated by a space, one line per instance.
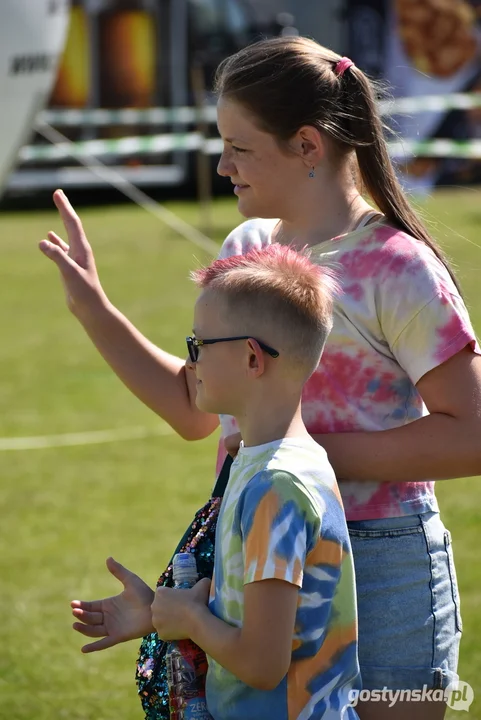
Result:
x=399 y=315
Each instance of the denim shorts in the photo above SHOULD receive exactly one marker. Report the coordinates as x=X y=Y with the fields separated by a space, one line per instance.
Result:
x=408 y=603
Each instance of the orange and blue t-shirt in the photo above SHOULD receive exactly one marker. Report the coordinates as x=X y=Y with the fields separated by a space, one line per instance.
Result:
x=282 y=518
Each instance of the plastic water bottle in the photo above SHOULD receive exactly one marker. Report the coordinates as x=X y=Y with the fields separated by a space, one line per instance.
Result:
x=186 y=663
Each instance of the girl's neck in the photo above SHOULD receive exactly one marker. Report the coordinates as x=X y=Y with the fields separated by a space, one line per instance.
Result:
x=323 y=213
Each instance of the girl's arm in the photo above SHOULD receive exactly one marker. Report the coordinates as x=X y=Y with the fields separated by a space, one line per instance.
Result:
x=162 y=381
x=445 y=444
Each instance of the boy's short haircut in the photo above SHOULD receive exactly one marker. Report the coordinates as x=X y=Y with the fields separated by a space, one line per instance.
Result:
x=280 y=297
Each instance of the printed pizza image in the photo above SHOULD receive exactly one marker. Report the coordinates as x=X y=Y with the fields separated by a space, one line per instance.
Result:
x=439 y=36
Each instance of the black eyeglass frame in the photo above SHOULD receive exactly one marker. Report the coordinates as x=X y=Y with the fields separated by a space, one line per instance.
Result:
x=193 y=345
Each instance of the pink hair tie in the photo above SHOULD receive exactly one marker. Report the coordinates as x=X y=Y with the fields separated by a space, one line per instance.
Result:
x=344 y=64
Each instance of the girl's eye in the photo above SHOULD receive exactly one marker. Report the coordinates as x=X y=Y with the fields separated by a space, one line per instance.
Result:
x=238 y=150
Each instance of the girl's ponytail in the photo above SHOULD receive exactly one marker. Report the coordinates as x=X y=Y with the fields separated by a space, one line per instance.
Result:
x=375 y=166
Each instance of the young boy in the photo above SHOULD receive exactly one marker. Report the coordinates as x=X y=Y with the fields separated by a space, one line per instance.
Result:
x=280 y=627
x=278 y=622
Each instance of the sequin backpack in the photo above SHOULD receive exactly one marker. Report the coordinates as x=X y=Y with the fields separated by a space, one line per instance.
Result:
x=199 y=538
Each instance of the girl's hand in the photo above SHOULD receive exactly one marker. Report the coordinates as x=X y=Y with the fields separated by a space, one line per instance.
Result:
x=75 y=261
x=232 y=443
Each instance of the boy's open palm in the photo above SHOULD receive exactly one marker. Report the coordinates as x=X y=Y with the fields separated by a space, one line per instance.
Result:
x=75 y=260
x=126 y=616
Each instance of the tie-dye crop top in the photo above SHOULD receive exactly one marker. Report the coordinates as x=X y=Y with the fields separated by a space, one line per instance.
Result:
x=398 y=316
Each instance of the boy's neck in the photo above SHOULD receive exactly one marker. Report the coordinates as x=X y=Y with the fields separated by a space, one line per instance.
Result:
x=267 y=422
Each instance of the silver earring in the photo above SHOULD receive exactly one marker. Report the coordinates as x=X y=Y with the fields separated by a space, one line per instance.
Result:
x=312 y=174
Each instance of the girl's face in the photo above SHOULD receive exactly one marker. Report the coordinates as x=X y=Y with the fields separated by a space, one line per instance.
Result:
x=268 y=181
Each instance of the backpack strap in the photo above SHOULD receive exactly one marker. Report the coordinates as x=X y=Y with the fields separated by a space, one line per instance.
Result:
x=223 y=477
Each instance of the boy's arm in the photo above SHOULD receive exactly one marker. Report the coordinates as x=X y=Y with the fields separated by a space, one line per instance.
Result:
x=277 y=524
x=258 y=653
x=272 y=517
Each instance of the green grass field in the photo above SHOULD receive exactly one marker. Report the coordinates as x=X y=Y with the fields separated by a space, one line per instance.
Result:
x=65 y=510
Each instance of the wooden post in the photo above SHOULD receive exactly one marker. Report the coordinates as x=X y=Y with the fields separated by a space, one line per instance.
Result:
x=204 y=179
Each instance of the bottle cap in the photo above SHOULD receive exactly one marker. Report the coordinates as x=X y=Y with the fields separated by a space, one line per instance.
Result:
x=184 y=568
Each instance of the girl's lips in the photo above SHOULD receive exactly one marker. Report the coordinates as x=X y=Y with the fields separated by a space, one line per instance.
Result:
x=240 y=188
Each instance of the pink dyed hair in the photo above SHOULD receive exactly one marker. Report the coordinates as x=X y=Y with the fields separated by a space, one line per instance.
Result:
x=280 y=294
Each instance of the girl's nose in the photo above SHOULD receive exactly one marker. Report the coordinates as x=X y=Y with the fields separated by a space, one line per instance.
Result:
x=225 y=167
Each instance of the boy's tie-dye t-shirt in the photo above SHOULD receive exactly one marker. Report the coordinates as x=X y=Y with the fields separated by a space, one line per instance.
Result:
x=282 y=517
x=399 y=315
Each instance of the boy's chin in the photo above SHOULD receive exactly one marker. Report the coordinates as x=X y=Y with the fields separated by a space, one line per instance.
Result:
x=203 y=403
x=208 y=405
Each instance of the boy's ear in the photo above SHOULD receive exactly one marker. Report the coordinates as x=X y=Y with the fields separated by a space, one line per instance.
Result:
x=256 y=359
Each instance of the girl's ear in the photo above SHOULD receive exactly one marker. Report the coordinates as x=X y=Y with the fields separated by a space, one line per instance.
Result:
x=309 y=145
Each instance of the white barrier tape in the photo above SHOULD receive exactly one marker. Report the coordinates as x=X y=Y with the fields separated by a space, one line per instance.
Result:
x=129 y=116
x=440 y=148
x=97 y=437
x=430 y=103
x=121 y=146
x=213 y=146
x=187 y=115
x=117 y=180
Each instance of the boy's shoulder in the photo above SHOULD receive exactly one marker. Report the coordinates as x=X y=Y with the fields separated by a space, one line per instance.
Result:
x=281 y=502
x=297 y=472
x=253 y=234
x=305 y=460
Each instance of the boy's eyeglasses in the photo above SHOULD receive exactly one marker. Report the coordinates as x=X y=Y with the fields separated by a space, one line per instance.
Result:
x=193 y=345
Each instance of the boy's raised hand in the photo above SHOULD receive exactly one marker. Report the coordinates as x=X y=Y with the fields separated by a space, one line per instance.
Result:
x=75 y=261
x=126 y=616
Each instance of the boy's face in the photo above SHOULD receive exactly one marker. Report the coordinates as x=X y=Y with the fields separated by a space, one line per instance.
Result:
x=219 y=367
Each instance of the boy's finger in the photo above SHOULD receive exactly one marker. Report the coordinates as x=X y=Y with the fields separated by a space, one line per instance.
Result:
x=89 y=618
x=88 y=605
x=93 y=631
x=202 y=589
x=204 y=583
x=118 y=571
x=99 y=645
